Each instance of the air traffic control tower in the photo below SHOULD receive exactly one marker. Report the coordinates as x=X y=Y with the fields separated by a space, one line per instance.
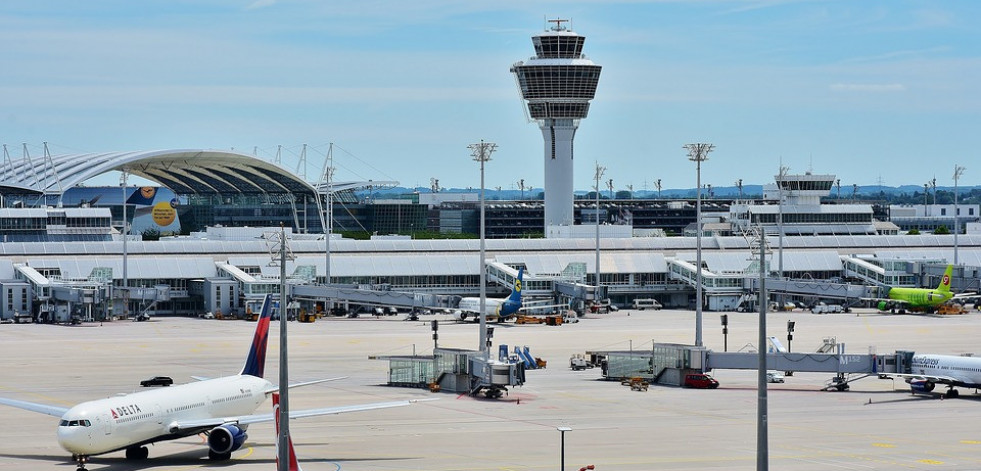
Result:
x=558 y=84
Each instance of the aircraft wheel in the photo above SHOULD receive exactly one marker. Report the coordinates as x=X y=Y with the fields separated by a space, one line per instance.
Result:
x=218 y=456
x=952 y=393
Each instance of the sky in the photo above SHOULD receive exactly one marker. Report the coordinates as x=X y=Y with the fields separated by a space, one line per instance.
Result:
x=874 y=91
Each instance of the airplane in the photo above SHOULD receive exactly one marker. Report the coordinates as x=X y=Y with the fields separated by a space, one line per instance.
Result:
x=495 y=309
x=920 y=299
x=221 y=408
x=928 y=370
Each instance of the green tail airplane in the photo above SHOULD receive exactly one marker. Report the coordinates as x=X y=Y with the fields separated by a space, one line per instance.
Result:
x=921 y=299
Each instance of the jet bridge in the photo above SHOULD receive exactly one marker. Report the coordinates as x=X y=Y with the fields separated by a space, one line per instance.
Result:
x=667 y=363
x=848 y=293
x=373 y=297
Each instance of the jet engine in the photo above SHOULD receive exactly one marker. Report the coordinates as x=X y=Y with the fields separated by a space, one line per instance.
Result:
x=225 y=439
x=920 y=385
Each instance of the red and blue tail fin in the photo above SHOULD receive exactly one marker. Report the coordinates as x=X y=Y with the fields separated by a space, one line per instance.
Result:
x=255 y=364
x=294 y=465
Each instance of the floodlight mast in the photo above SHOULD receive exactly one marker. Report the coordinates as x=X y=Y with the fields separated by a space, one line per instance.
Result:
x=599 y=174
x=958 y=172
x=481 y=152
x=698 y=153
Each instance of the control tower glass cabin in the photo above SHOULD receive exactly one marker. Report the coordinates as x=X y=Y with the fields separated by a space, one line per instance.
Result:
x=557 y=84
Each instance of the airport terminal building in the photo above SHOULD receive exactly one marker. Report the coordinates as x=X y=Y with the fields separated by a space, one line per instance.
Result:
x=60 y=263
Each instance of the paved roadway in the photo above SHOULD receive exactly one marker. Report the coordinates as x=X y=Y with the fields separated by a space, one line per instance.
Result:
x=877 y=425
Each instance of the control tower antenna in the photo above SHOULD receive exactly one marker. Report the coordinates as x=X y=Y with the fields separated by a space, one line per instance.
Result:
x=557 y=86
x=558 y=24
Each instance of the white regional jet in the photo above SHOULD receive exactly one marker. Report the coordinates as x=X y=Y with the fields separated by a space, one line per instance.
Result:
x=927 y=370
x=222 y=408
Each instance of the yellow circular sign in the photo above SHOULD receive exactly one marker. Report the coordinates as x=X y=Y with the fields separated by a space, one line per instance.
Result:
x=164 y=213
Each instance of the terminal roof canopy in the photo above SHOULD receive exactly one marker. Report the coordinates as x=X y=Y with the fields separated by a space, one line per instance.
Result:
x=185 y=171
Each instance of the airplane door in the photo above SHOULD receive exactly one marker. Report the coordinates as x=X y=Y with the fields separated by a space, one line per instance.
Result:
x=108 y=423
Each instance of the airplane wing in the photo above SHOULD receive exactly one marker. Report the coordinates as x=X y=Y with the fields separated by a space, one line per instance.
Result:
x=307 y=383
x=193 y=425
x=931 y=378
x=888 y=300
x=54 y=411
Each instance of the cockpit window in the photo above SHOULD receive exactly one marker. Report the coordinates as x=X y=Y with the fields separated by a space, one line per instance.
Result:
x=75 y=423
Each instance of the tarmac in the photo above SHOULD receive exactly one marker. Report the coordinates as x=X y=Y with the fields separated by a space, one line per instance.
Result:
x=877 y=425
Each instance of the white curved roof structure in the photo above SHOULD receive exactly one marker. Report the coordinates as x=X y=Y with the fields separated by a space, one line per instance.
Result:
x=185 y=171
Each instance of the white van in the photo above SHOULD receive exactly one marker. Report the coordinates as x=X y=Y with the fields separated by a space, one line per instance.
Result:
x=647 y=303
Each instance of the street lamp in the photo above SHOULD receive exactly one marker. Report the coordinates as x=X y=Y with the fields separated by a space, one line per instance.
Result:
x=698 y=153
x=790 y=333
x=481 y=152
x=725 y=332
x=563 y=430
x=958 y=171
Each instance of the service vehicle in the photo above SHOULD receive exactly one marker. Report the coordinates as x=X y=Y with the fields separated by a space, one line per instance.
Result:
x=647 y=303
x=700 y=381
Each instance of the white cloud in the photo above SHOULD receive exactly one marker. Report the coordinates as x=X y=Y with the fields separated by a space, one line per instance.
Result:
x=868 y=87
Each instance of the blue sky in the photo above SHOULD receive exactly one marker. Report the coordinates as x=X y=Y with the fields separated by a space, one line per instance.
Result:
x=873 y=90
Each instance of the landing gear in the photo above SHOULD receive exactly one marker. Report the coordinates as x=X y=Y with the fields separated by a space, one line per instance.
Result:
x=80 y=459
x=494 y=392
x=137 y=453
x=951 y=393
x=218 y=456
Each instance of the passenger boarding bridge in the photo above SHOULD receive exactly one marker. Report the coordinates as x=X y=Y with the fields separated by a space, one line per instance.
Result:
x=668 y=364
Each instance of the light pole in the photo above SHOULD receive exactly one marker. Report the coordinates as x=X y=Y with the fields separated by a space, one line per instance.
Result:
x=599 y=175
x=790 y=333
x=284 y=377
x=698 y=153
x=762 y=409
x=563 y=430
x=481 y=152
x=958 y=171
x=725 y=332
x=124 y=294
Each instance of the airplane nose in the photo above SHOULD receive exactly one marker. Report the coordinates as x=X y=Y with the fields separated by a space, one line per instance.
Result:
x=73 y=439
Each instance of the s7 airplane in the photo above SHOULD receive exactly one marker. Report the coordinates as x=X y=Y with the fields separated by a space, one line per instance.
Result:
x=221 y=408
x=921 y=299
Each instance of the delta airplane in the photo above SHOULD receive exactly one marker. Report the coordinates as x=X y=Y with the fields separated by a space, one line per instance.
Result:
x=928 y=370
x=496 y=309
x=221 y=408
x=920 y=299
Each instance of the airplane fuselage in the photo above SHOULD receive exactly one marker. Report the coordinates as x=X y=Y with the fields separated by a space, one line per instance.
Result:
x=494 y=308
x=966 y=371
x=115 y=423
x=920 y=297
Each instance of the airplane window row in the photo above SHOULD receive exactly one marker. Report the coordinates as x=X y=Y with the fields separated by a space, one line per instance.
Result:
x=75 y=423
